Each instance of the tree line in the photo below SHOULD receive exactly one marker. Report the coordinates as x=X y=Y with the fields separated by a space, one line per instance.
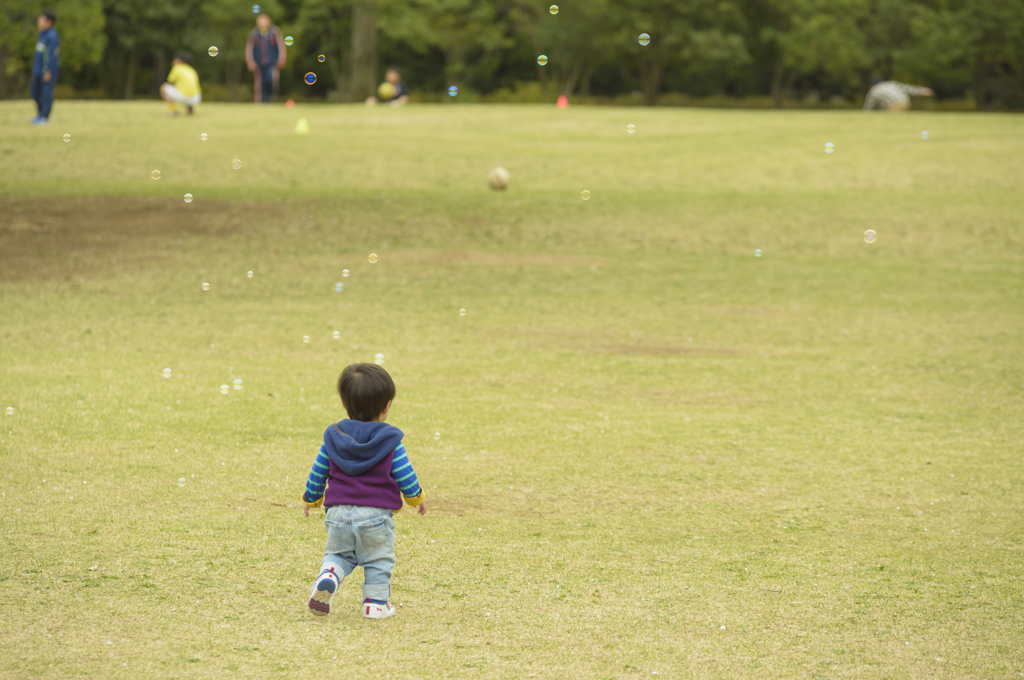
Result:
x=829 y=49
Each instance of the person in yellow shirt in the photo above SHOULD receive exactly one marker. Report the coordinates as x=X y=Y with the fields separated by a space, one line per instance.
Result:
x=182 y=86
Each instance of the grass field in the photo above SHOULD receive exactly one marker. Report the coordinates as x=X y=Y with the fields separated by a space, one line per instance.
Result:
x=659 y=454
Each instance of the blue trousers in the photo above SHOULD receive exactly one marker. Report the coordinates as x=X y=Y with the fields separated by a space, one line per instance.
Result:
x=266 y=83
x=359 y=536
x=42 y=93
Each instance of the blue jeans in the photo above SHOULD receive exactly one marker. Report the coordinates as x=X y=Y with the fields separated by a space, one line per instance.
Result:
x=358 y=536
x=42 y=93
x=266 y=83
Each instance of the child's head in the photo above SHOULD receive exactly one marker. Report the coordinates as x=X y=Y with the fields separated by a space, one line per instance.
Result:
x=182 y=57
x=366 y=392
x=263 y=22
x=45 y=19
x=393 y=76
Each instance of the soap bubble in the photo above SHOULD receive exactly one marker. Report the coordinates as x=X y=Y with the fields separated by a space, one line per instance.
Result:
x=155 y=174
x=321 y=58
x=338 y=287
x=924 y=135
x=181 y=481
x=829 y=147
x=344 y=272
x=336 y=334
x=378 y=358
x=869 y=236
x=373 y=258
x=224 y=389
x=630 y=128
x=305 y=338
x=542 y=59
x=452 y=91
x=757 y=252
x=67 y=137
x=249 y=274
x=206 y=286
x=167 y=373
x=9 y=410
x=237 y=383
x=437 y=435
x=213 y=51
x=255 y=9
x=188 y=198
x=310 y=78
x=585 y=195
x=462 y=312
x=203 y=136
x=288 y=40
x=644 y=39
x=553 y=9
x=236 y=164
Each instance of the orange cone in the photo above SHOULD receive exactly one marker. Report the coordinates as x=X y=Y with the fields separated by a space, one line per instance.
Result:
x=563 y=102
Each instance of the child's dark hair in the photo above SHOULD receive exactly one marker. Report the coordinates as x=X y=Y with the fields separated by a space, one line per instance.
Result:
x=50 y=15
x=365 y=391
x=184 y=56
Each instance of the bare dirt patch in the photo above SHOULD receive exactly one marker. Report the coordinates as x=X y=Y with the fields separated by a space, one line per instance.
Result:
x=47 y=239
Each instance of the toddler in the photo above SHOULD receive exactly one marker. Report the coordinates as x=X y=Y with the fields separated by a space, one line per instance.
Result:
x=366 y=471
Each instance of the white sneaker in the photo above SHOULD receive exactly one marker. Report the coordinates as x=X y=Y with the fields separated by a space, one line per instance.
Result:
x=323 y=592
x=377 y=611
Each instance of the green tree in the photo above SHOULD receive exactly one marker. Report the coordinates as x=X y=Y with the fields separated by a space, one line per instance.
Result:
x=140 y=28
x=466 y=32
x=326 y=28
x=817 y=36
x=347 y=32
x=980 y=43
x=886 y=34
x=700 y=32
x=577 y=40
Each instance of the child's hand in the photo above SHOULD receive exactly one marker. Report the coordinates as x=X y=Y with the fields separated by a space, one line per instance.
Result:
x=423 y=508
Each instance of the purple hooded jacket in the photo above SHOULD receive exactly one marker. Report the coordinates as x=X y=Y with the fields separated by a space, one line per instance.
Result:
x=361 y=455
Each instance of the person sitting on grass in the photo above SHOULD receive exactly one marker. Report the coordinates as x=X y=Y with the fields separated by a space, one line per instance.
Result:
x=392 y=91
x=890 y=95
x=369 y=473
x=182 y=86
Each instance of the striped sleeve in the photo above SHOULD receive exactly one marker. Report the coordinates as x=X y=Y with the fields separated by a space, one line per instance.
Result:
x=401 y=470
x=915 y=90
x=317 y=482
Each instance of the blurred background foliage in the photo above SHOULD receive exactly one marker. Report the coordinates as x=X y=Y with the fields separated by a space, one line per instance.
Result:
x=719 y=52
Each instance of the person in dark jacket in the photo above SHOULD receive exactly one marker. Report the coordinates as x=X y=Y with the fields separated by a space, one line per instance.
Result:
x=45 y=66
x=265 y=54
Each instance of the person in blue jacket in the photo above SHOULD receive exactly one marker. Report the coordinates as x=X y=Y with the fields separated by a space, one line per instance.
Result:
x=45 y=66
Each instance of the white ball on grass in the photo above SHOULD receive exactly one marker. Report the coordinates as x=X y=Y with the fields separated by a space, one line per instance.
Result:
x=498 y=178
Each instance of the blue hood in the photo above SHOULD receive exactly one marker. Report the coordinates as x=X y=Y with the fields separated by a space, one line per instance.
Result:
x=359 y=446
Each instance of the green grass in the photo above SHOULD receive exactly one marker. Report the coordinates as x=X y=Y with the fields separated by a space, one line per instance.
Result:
x=646 y=432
